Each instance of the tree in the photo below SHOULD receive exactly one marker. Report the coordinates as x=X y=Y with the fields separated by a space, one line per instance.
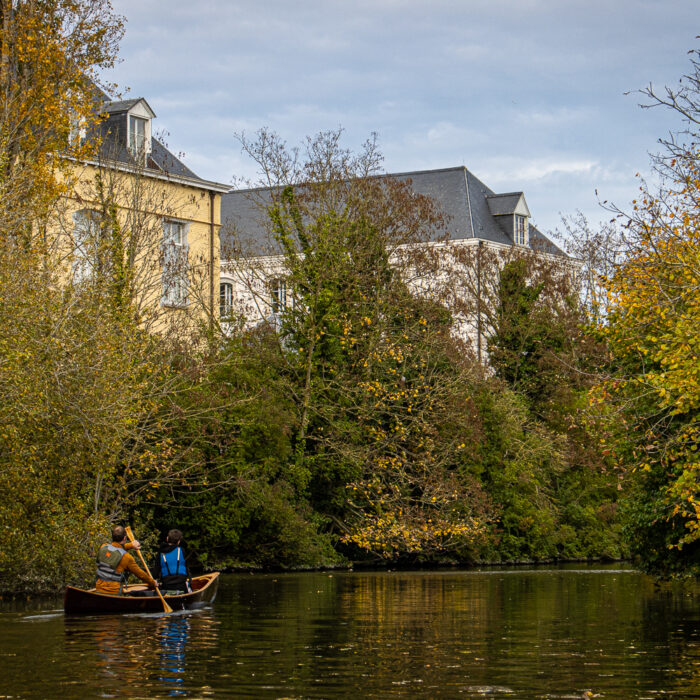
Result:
x=525 y=334
x=652 y=331
x=652 y=334
x=92 y=368
x=47 y=88
x=539 y=459
x=377 y=379
x=49 y=54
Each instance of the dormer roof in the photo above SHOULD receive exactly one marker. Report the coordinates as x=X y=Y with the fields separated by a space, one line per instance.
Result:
x=508 y=204
x=121 y=106
x=160 y=162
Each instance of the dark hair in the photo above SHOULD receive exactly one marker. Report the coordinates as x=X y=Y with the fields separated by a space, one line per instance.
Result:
x=118 y=533
x=174 y=536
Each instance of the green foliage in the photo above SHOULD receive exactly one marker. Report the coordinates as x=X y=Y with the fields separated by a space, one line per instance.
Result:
x=72 y=387
x=374 y=372
x=543 y=456
x=653 y=535
x=241 y=497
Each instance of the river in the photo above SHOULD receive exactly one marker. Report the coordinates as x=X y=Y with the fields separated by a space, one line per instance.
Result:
x=538 y=632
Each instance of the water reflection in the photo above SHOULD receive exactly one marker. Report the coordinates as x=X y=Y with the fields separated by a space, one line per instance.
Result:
x=546 y=633
x=536 y=633
x=117 y=654
x=143 y=655
x=174 y=634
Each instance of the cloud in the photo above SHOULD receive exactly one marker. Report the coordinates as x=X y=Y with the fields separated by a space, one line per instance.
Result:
x=500 y=170
x=558 y=116
x=526 y=93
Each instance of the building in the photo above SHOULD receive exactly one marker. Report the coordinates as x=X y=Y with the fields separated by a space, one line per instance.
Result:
x=476 y=218
x=166 y=217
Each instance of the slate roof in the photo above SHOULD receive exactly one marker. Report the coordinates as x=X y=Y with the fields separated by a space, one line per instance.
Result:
x=504 y=204
x=458 y=193
x=120 y=105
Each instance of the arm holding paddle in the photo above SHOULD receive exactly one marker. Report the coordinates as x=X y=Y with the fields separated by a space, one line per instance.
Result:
x=133 y=568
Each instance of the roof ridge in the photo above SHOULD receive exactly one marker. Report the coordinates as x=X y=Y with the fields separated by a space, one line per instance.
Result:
x=455 y=168
x=431 y=170
x=469 y=203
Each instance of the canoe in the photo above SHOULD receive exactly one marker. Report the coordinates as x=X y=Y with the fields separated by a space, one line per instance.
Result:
x=138 y=599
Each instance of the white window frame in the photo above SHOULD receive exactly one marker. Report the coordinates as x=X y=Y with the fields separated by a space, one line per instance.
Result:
x=278 y=295
x=86 y=231
x=225 y=298
x=137 y=141
x=175 y=275
x=520 y=230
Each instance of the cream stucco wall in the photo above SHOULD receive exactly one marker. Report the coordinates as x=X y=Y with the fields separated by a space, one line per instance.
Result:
x=143 y=202
x=465 y=269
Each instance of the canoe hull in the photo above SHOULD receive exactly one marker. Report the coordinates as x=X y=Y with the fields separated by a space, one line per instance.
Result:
x=78 y=601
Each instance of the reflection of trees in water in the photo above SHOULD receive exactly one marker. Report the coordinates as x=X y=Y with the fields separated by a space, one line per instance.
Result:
x=439 y=634
x=574 y=628
x=671 y=626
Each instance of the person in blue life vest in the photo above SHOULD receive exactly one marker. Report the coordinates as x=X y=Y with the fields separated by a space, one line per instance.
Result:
x=170 y=565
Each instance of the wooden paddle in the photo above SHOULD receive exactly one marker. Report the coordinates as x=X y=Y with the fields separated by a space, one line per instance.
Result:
x=130 y=535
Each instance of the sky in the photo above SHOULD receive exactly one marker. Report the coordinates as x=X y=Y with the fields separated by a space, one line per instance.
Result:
x=531 y=95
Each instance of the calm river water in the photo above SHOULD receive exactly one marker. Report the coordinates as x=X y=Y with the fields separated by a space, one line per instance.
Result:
x=501 y=633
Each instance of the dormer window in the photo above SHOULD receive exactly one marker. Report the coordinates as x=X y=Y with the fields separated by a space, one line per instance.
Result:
x=512 y=215
x=137 y=136
x=128 y=127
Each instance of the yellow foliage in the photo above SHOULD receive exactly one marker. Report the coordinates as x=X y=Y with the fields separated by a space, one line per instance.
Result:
x=654 y=334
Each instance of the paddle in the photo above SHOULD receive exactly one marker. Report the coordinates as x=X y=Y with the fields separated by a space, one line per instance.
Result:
x=166 y=607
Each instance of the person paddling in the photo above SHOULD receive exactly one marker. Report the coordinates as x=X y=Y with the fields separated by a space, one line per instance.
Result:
x=114 y=564
x=170 y=565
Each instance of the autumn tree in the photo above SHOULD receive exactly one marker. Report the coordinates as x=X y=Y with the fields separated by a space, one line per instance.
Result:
x=91 y=360
x=51 y=55
x=653 y=335
x=525 y=311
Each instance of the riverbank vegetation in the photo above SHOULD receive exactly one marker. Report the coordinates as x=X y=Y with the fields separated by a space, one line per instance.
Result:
x=361 y=424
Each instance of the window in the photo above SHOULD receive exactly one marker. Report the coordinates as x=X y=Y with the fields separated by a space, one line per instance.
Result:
x=77 y=132
x=278 y=295
x=137 y=137
x=520 y=230
x=175 y=263
x=174 y=232
x=86 y=231
x=225 y=299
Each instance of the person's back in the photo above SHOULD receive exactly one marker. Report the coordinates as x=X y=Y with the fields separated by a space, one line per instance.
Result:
x=171 y=566
x=114 y=563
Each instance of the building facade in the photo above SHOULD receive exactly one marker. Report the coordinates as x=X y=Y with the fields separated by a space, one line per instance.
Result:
x=480 y=225
x=138 y=198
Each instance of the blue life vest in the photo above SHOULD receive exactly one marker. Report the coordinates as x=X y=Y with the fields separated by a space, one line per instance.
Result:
x=173 y=564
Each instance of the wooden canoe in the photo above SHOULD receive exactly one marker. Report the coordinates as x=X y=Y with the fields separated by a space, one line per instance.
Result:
x=138 y=599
